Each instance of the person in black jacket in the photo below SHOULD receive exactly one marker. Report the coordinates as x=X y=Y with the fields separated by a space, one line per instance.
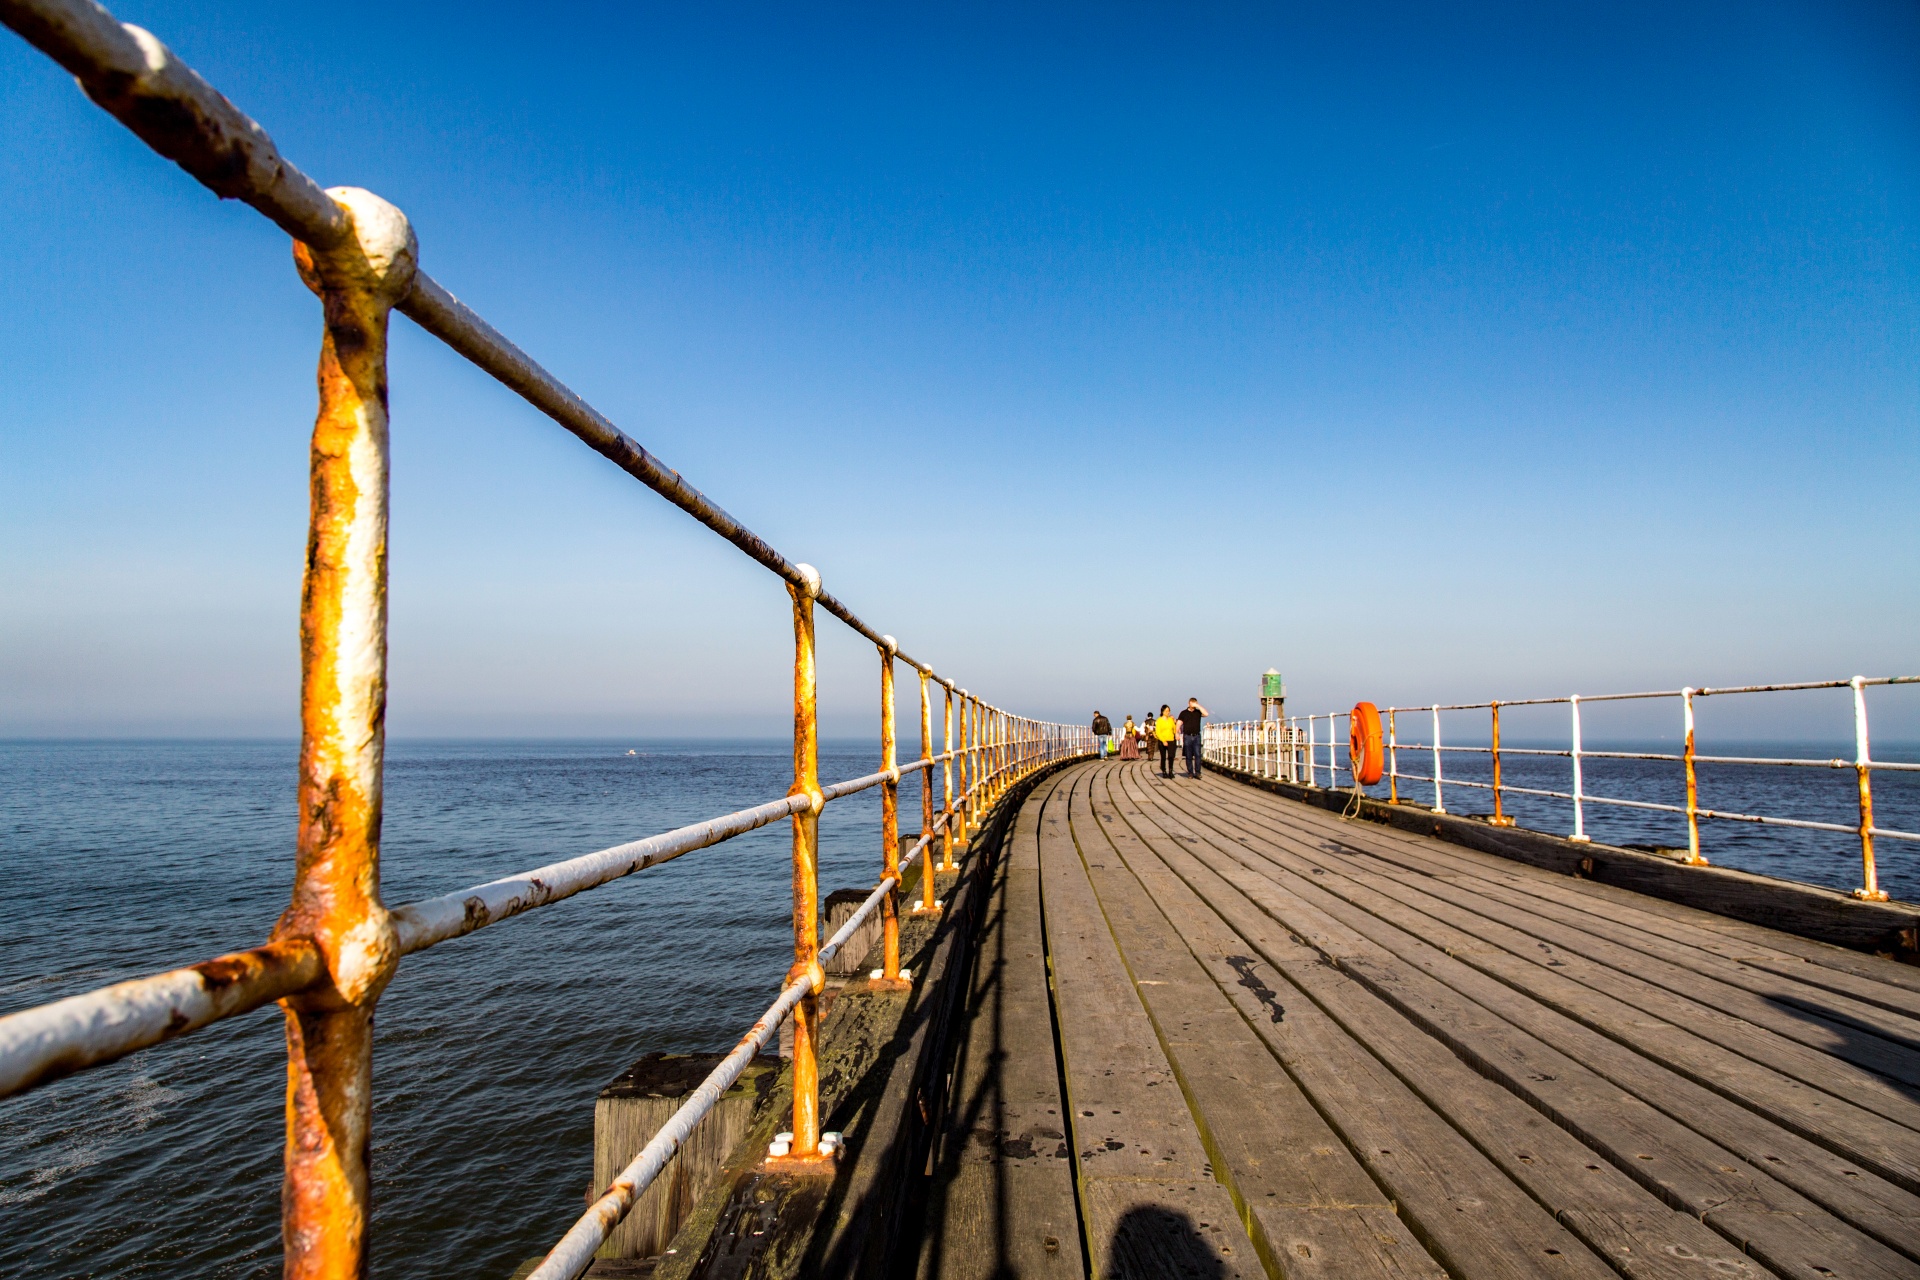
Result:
x=1190 y=735
x=1102 y=733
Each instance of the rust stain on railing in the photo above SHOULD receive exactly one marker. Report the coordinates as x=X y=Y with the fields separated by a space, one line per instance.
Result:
x=337 y=946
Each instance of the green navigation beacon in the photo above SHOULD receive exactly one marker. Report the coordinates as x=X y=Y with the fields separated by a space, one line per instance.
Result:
x=1273 y=696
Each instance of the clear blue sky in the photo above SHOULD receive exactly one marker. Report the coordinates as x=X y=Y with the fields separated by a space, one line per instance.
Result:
x=1103 y=355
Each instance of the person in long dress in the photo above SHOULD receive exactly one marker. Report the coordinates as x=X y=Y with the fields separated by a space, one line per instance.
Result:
x=1130 y=740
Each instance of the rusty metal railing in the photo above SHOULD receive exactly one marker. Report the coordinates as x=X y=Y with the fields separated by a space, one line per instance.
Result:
x=1256 y=749
x=337 y=945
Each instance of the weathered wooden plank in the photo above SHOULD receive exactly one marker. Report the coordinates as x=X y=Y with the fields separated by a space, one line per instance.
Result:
x=1806 y=910
x=1849 y=1115
x=1002 y=1201
x=1667 y=931
x=1307 y=1204
x=1319 y=1027
x=1827 y=1023
x=1685 y=999
x=1490 y=1026
x=1137 y=1152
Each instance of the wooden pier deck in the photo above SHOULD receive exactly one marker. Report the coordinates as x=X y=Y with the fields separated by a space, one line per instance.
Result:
x=1278 y=1043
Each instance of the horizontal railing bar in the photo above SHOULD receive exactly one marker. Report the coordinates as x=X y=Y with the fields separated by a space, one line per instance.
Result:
x=51 y=1040
x=452 y=915
x=64 y=1036
x=1656 y=693
x=1832 y=763
x=148 y=88
x=1760 y=819
x=574 y=1253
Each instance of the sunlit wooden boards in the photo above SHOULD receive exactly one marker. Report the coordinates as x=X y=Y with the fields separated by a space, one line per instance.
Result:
x=1293 y=1045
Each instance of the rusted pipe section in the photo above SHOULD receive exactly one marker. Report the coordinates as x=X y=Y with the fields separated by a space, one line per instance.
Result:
x=57 y=1039
x=1863 y=773
x=889 y=821
x=1500 y=818
x=926 y=794
x=140 y=82
x=343 y=698
x=1693 y=784
x=137 y=79
x=946 y=794
x=432 y=920
x=806 y=887
x=574 y=1253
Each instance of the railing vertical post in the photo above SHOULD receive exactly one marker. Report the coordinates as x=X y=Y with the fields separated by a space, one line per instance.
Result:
x=977 y=759
x=889 y=819
x=1693 y=785
x=1579 y=782
x=927 y=899
x=1862 y=768
x=1500 y=818
x=1393 y=759
x=806 y=887
x=1439 y=799
x=999 y=754
x=999 y=739
x=946 y=792
x=343 y=697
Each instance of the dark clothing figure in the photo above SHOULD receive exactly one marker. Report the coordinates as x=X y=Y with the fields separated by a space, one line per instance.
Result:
x=1190 y=720
x=1102 y=726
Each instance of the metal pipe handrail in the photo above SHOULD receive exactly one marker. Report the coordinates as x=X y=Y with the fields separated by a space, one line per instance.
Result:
x=575 y=1251
x=337 y=946
x=1704 y=692
x=1866 y=830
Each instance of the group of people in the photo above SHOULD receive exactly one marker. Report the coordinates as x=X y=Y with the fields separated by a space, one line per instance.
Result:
x=1163 y=732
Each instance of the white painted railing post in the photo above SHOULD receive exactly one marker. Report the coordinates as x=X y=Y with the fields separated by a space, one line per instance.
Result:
x=1579 y=787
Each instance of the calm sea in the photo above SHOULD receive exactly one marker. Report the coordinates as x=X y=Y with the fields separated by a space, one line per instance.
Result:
x=125 y=858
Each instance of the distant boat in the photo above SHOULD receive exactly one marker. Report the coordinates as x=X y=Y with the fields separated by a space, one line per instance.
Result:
x=632 y=752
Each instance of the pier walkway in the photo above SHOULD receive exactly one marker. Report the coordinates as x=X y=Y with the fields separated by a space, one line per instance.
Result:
x=1276 y=1042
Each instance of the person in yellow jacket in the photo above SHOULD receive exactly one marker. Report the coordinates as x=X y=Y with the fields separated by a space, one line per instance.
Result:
x=1165 y=729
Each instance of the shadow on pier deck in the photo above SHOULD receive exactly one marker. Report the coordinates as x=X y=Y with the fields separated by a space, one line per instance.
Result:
x=1277 y=1043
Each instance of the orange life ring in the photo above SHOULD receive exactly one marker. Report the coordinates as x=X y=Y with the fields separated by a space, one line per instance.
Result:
x=1363 y=743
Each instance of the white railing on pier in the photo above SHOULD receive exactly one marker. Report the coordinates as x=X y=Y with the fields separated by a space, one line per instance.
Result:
x=1298 y=752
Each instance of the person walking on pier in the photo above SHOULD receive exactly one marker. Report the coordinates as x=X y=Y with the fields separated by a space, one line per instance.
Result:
x=1164 y=729
x=1129 y=740
x=1102 y=732
x=1190 y=735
